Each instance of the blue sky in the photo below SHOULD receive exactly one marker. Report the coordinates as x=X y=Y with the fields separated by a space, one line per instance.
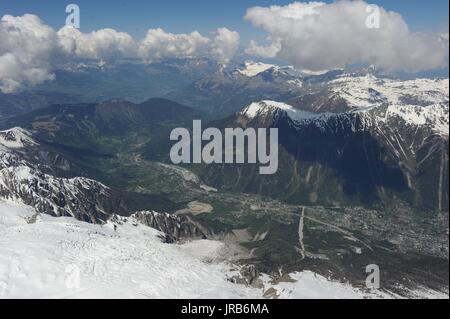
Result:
x=181 y=16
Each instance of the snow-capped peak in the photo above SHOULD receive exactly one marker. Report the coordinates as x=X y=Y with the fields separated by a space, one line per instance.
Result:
x=368 y=91
x=417 y=102
x=434 y=117
x=251 y=69
x=271 y=107
x=16 y=138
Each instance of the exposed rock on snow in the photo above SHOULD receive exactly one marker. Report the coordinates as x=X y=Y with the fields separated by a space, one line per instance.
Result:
x=15 y=138
x=174 y=227
x=30 y=183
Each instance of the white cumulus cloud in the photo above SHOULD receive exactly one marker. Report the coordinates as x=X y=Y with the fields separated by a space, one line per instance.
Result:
x=317 y=36
x=27 y=49
x=104 y=44
x=268 y=51
x=159 y=44
x=30 y=50
x=225 y=44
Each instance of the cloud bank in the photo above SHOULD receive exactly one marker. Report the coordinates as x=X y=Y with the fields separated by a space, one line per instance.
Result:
x=318 y=36
x=225 y=44
x=105 y=44
x=268 y=51
x=308 y=35
x=159 y=44
x=27 y=47
x=30 y=50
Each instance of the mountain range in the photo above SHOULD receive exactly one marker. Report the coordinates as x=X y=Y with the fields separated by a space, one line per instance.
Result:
x=363 y=165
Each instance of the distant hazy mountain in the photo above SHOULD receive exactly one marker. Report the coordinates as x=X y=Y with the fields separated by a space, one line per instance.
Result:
x=24 y=102
x=201 y=83
x=130 y=80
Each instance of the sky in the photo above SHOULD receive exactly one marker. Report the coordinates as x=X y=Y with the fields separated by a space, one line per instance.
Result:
x=180 y=16
x=395 y=36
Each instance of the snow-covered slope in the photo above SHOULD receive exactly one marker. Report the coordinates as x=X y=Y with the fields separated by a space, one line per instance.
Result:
x=251 y=69
x=420 y=102
x=269 y=112
x=23 y=177
x=42 y=256
x=369 y=91
x=265 y=108
x=15 y=138
x=373 y=111
x=47 y=257
x=78 y=197
x=13 y=144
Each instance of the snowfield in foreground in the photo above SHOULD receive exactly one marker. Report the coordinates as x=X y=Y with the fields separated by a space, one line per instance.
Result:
x=47 y=257
x=43 y=259
x=42 y=256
